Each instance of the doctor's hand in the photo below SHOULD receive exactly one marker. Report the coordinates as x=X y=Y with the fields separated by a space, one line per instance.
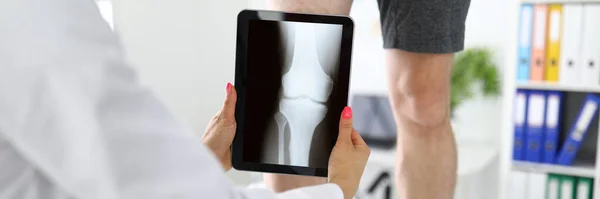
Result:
x=221 y=129
x=348 y=157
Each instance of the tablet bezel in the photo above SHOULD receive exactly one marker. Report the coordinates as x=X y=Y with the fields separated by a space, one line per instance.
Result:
x=244 y=18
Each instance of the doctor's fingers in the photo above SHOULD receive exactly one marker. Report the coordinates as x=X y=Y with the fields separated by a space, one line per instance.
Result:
x=227 y=113
x=358 y=141
x=346 y=126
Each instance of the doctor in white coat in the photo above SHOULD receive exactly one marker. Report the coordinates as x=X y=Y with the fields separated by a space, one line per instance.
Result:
x=75 y=122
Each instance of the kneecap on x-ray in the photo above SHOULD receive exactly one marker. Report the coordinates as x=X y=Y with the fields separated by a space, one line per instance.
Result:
x=306 y=88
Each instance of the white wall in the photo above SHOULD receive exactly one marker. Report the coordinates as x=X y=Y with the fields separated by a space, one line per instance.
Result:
x=185 y=50
x=487 y=25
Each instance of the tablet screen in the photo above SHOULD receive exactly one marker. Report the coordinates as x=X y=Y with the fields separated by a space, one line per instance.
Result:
x=292 y=106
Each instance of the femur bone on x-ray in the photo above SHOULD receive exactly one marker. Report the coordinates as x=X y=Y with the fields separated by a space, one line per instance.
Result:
x=311 y=62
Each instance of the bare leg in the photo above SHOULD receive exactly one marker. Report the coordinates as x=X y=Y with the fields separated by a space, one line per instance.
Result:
x=335 y=7
x=282 y=182
x=419 y=92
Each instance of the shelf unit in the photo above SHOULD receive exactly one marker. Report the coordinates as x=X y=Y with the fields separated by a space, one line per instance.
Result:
x=589 y=170
x=580 y=170
x=558 y=87
x=510 y=87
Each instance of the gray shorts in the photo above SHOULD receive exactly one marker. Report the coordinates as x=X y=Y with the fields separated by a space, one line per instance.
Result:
x=424 y=26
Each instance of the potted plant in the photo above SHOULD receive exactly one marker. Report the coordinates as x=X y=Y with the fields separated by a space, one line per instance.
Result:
x=473 y=73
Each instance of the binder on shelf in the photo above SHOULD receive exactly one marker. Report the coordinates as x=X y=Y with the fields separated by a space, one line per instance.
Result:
x=525 y=34
x=578 y=130
x=552 y=186
x=519 y=185
x=552 y=127
x=538 y=46
x=584 y=188
x=535 y=125
x=570 y=45
x=590 y=72
x=555 y=12
x=520 y=123
x=536 y=185
x=567 y=187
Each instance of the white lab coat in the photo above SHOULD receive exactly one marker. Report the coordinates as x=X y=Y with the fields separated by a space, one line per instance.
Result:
x=75 y=122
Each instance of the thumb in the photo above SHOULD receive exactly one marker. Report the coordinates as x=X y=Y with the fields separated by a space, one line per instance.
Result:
x=357 y=140
x=346 y=127
x=228 y=110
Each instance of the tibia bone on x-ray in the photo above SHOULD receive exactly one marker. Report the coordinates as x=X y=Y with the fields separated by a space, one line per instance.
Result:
x=306 y=87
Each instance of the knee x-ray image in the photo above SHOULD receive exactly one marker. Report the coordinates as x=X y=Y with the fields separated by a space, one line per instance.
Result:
x=291 y=89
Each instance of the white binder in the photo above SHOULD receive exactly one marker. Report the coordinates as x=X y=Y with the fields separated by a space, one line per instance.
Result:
x=566 y=189
x=590 y=70
x=536 y=185
x=519 y=185
x=583 y=191
x=570 y=52
x=553 y=187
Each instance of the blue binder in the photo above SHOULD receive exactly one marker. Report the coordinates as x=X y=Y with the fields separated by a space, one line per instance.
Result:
x=535 y=125
x=525 y=37
x=552 y=128
x=578 y=130
x=520 y=123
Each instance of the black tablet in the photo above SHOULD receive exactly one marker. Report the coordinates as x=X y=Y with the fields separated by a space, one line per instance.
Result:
x=292 y=75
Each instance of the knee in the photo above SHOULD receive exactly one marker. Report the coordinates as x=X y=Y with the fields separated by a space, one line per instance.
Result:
x=422 y=102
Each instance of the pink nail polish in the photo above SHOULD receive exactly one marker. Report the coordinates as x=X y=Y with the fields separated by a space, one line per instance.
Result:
x=347 y=113
x=228 y=87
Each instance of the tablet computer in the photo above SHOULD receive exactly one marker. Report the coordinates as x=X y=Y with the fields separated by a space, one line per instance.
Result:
x=292 y=75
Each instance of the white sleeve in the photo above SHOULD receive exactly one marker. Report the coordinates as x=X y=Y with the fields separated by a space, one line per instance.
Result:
x=72 y=108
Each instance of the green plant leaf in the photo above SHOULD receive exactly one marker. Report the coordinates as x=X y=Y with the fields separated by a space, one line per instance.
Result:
x=473 y=67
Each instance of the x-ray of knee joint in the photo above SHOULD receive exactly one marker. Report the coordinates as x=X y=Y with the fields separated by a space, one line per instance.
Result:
x=288 y=98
